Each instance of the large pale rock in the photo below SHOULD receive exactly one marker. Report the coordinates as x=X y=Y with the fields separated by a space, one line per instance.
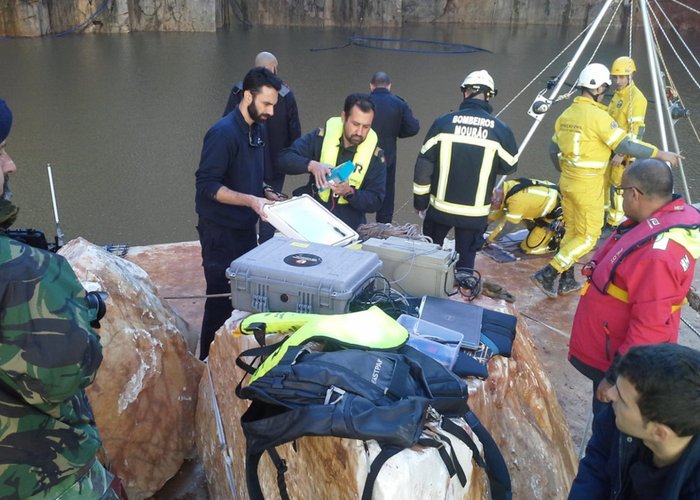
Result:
x=144 y=396
x=319 y=467
x=518 y=405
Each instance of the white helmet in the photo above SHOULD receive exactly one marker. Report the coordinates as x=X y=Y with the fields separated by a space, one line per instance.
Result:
x=480 y=80
x=593 y=76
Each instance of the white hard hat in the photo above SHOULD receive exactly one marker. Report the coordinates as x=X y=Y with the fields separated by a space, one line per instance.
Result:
x=593 y=76
x=479 y=79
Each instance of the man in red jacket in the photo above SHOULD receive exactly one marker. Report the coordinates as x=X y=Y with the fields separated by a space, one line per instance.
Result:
x=638 y=279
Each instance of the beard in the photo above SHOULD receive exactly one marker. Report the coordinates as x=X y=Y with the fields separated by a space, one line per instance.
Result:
x=6 y=191
x=256 y=116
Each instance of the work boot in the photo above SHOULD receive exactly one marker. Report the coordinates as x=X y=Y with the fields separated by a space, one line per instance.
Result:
x=544 y=279
x=567 y=283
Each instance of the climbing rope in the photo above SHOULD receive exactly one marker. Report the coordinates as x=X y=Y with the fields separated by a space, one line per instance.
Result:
x=663 y=62
x=686 y=6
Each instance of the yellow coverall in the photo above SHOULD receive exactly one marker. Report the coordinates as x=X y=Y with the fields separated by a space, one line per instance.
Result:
x=628 y=108
x=586 y=136
x=533 y=202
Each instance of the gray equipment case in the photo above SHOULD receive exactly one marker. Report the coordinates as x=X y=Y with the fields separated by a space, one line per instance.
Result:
x=416 y=267
x=300 y=276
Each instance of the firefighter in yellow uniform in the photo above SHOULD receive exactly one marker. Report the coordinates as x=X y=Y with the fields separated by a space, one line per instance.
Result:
x=535 y=202
x=584 y=138
x=628 y=108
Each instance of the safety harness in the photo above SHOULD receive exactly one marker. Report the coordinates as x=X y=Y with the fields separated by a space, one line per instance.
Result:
x=602 y=274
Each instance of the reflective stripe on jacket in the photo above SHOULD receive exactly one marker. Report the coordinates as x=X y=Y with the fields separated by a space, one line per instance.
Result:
x=586 y=135
x=329 y=154
x=460 y=158
x=628 y=107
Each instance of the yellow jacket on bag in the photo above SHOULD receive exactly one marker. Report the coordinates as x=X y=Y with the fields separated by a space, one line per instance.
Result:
x=628 y=108
x=586 y=135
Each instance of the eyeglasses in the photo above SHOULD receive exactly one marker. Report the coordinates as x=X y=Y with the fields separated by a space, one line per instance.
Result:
x=255 y=141
x=621 y=190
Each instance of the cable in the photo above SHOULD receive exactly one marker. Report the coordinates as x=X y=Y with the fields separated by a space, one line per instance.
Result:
x=466 y=278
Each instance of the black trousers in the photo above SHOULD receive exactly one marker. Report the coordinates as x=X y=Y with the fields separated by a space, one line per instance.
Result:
x=467 y=241
x=386 y=212
x=220 y=246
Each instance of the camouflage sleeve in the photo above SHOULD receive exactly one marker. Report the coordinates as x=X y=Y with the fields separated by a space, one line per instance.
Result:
x=48 y=350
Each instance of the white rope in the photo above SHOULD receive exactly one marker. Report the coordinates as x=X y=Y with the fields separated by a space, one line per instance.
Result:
x=543 y=70
x=658 y=49
x=680 y=37
x=686 y=6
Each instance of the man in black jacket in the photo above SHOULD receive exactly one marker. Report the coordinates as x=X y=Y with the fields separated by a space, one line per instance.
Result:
x=648 y=444
x=393 y=119
x=457 y=166
x=283 y=128
x=230 y=192
x=348 y=137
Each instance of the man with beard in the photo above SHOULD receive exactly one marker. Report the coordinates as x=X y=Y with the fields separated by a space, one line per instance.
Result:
x=49 y=354
x=283 y=128
x=230 y=192
x=348 y=137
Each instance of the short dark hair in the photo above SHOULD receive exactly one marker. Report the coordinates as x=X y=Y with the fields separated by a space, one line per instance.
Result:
x=653 y=176
x=260 y=77
x=362 y=101
x=380 y=79
x=667 y=379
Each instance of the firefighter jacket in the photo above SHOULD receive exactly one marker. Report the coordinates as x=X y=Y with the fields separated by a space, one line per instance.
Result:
x=586 y=135
x=648 y=279
x=456 y=169
x=49 y=354
x=628 y=107
x=537 y=201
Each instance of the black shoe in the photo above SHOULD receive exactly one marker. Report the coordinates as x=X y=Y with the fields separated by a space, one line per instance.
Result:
x=545 y=278
x=568 y=284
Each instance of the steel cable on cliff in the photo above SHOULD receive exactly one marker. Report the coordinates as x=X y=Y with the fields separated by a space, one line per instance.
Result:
x=78 y=27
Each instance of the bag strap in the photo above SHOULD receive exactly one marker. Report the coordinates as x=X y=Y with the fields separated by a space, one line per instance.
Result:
x=499 y=477
x=249 y=368
x=458 y=432
x=251 y=474
x=385 y=454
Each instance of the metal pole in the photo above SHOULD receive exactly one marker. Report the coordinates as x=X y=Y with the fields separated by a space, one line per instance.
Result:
x=656 y=78
x=59 y=231
x=562 y=78
x=662 y=111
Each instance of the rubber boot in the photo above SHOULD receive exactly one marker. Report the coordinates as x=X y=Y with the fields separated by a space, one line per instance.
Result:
x=567 y=283
x=545 y=278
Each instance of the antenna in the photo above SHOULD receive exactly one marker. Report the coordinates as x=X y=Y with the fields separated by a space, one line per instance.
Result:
x=59 y=231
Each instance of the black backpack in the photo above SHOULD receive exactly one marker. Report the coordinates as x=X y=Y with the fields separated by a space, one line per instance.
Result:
x=388 y=396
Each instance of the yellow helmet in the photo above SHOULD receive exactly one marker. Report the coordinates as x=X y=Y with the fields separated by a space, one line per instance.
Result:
x=623 y=66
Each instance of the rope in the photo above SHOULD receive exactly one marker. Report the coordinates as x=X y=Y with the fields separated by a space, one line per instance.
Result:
x=686 y=6
x=383 y=231
x=543 y=70
x=366 y=42
x=658 y=48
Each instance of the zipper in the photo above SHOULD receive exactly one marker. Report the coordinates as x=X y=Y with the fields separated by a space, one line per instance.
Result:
x=607 y=340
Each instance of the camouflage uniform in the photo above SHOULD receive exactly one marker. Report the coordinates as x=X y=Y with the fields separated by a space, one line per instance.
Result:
x=49 y=353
